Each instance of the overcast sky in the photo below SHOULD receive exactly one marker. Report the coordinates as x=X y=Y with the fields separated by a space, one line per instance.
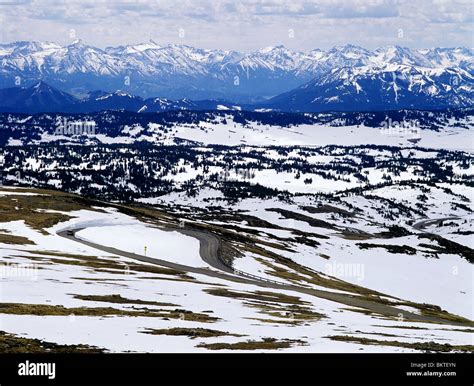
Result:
x=243 y=25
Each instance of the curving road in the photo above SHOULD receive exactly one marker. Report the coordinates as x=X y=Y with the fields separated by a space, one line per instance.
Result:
x=422 y=224
x=210 y=248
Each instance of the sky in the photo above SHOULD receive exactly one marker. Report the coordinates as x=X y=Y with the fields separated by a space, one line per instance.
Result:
x=244 y=25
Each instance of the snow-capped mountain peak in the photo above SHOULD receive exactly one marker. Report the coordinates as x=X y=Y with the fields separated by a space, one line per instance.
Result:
x=175 y=70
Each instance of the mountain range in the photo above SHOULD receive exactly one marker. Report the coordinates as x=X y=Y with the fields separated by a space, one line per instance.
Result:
x=375 y=89
x=159 y=78
x=42 y=97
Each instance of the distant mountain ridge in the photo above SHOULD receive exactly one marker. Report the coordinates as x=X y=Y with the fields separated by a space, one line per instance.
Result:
x=43 y=98
x=344 y=90
x=179 y=71
x=369 y=88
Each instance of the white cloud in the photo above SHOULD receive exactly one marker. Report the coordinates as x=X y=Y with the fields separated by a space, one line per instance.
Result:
x=242 y=25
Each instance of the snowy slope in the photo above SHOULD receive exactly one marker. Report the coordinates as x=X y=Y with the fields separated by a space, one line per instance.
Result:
x=55 y=271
